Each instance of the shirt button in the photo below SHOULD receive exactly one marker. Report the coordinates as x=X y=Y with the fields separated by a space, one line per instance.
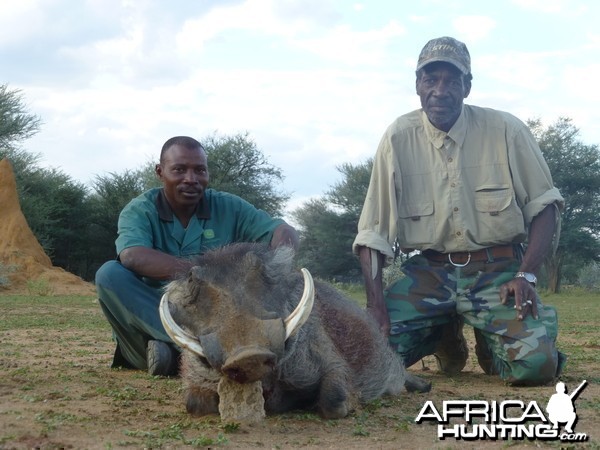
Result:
x=453 y=185
x=458 y=233
x=455 y=209
x=450 y=160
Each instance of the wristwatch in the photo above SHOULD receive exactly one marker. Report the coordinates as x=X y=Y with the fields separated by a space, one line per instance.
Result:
x=528 y=276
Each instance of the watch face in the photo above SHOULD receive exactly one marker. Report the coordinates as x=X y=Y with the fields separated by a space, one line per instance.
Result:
x=530 y=277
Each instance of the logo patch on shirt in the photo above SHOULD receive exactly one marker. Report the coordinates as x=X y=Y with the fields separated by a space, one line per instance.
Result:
x=209 y=234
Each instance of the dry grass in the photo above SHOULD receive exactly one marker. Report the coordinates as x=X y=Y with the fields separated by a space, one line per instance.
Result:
x=57 y=391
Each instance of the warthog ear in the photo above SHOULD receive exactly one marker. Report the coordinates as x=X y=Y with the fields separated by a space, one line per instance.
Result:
x=281 y=262
x=269 y=266
x=195 y=283
x=195 y=274
x=252 y=269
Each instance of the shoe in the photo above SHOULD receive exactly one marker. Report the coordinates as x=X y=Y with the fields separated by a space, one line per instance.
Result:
x=162 y=359
x=451 y=353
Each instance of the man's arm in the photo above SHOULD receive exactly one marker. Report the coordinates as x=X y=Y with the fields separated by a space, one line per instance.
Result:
x=151 y=263
x=285 y=234
x=371 y=262
x=541 y=233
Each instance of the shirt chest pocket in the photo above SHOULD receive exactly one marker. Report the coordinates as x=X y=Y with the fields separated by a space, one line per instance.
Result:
x=492 y=199
x=499 y=219
x=416 y=223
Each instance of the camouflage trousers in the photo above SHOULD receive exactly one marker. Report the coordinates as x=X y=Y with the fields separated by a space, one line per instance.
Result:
x=432 y=295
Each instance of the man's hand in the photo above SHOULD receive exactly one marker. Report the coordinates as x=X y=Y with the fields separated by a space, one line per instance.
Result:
x=285 y=234
x=541 y=232
x=524 y=294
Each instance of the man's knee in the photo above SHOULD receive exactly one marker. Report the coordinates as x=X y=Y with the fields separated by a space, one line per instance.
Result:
x=537 y=369
x=114 y=284
x=108 y=272
x=113 y=277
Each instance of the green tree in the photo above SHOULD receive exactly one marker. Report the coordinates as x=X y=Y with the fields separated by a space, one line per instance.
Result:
x=16 y=124
x=147 y=175
x=56 y=211
x=55 y=207
x=575 y=169
x=52 y=203
x=349 y=193
x=328 y=225
x=111 y=193
x=237 y=166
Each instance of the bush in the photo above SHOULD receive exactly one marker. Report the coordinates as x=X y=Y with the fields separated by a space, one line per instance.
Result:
x=40 y=287
x=392 y=273
x=4 y=272
x=589 y=276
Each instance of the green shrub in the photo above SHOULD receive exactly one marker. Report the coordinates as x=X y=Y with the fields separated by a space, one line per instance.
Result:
x=392 y=273
x=589 y=277
x=5 y=270
x=40 y=287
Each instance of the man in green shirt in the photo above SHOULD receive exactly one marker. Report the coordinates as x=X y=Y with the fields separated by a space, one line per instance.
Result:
x=466 y=187
x=159 y=233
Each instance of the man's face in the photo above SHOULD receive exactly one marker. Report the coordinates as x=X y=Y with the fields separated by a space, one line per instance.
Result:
x=184 y=174
x=442 y=89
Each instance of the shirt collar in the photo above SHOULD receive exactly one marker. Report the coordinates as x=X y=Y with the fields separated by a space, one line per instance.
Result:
x=166 y=213
x=457 y=132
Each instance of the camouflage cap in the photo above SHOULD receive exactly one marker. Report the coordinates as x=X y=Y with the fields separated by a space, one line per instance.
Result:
x=446 y=49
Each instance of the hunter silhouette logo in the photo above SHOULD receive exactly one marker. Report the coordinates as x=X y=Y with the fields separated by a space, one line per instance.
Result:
x=508 y=419
x=561 y=408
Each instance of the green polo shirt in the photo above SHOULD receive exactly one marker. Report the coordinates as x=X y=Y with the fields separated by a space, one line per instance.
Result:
x=220 y=219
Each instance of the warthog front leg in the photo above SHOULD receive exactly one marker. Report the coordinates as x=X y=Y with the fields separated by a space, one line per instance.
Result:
x=416 y=384
x=200 y=401
x=201 y=397
x=334 y=396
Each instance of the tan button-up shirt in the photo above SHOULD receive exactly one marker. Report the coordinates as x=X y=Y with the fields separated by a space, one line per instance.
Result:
x=477 y=186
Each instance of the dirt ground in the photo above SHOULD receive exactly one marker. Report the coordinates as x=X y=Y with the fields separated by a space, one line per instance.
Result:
x=57 y=391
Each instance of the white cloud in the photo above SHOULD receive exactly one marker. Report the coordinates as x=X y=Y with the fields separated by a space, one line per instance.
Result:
x=339 y=43
x=531 y=71
x=352 y=47
x=546 y=6
x=579 y=79
x=252 y=15
x=474 y=28
x=314 y=82
x=20 y=20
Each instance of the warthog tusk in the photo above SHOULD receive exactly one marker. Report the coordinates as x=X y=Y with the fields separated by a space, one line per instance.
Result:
x=181 y=337
x=297 y=318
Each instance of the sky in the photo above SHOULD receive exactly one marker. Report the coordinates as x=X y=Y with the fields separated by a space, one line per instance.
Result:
x=314 y=83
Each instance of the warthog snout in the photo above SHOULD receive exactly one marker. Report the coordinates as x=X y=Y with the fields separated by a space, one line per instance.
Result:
x=249 y=364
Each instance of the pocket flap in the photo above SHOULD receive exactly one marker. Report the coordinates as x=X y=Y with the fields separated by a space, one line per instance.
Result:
x=492 y=199
x=415 y=210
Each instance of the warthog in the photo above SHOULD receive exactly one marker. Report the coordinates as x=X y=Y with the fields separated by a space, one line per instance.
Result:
x=245 y=314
